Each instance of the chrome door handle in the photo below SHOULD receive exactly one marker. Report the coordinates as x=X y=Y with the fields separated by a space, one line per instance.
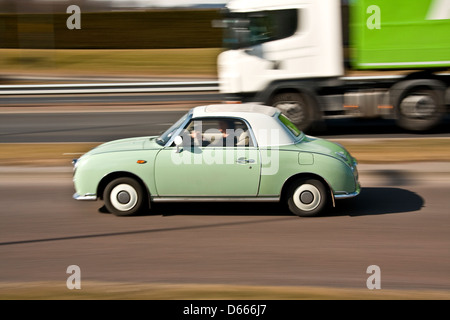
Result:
x=243 y=160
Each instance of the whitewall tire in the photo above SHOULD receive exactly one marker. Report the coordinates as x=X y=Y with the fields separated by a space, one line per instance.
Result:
x=124 y=197
x=307 y=197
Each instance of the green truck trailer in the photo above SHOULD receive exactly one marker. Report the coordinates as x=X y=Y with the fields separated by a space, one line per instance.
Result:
x=400 y=34
x=317 y=60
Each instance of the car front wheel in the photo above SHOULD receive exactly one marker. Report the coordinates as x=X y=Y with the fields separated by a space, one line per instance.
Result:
x=307 y=197
x=124 y=197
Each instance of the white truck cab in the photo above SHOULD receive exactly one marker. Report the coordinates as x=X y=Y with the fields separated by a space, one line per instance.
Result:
x=293 y=55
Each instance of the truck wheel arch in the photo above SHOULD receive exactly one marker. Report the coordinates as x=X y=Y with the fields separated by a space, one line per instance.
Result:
x=305 y=96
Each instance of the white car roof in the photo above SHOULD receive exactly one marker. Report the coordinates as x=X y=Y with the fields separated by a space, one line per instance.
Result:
x=219 y=110
x=263 y=120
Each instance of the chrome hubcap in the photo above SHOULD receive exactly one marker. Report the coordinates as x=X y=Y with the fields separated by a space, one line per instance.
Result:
x=307 y=197
x=123 y=197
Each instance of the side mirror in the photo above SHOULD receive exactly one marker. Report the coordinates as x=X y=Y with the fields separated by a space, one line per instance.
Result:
x=178 y=142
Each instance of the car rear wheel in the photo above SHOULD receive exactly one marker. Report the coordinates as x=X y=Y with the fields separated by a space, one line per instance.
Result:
x=124 y=197
x=307 y=197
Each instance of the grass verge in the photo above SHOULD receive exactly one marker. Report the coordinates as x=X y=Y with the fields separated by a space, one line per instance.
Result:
x=398 y=150
x=42 y=154
x=115 y=291
x=145 y=62
x=365 y=151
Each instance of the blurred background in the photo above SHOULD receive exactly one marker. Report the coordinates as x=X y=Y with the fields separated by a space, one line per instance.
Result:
x=117 y=37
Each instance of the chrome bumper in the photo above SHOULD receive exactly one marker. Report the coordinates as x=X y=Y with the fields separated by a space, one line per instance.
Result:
x=346 y=195
x=87 y=196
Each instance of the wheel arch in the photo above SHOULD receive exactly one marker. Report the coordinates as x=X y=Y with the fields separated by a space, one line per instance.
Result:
x=306 y=91
x=401 y=90
x=305 y=175
x=402 y=87
x=120 y=174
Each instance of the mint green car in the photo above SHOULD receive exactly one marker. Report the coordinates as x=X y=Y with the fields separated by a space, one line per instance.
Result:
x=245 y=152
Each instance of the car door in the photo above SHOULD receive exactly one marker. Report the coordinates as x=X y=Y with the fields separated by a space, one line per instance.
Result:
x=210 y=164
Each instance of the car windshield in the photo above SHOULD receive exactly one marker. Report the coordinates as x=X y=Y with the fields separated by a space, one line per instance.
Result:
x=165 y=137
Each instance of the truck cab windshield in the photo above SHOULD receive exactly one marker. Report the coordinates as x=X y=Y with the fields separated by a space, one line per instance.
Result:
x=252 y=28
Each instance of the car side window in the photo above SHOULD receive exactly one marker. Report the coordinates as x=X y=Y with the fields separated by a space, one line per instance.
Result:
x=220 y=132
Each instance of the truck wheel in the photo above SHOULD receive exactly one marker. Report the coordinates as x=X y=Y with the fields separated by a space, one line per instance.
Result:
x=295 y=106
x=419 y=109
x=307 y=197
x=124 y=197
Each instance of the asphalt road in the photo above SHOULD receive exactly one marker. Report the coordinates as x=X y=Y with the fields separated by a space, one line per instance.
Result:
x=400 y=225
x=83 y=126
x=86 y=125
